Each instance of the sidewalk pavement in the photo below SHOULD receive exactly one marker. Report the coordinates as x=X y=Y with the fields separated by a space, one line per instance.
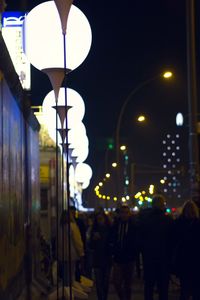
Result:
x=137 y=293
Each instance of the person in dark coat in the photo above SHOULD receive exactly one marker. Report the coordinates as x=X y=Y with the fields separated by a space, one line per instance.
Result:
x=187 y=251
x=99 y=243
x=155 y=244
x=124 y=248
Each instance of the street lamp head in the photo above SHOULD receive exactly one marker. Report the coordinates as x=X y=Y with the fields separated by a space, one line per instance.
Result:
x=167 y=74
x=179 y=119
x=141 y=118
x=114 y=164
x=123 y=148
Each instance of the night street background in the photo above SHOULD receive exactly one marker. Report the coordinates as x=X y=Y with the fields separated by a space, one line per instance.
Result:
x=132 y=41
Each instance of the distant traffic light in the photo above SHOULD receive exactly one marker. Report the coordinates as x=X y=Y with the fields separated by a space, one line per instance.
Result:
x=105 y=143
x=110 y=144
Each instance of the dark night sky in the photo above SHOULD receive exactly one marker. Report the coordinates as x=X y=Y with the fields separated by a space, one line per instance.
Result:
x=132 y=42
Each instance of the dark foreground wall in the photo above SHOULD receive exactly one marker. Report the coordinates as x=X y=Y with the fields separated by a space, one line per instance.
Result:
x=19 y=183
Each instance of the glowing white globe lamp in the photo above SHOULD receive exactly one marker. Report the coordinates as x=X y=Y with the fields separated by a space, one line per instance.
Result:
x=76 y=133
x=44 y=39
x=81 y=142
x=79 y=145
x=72 y=180
x=83 y=172
x=74 y=100
x=81 y=154
x=85 y=184
x=179 y=119
x=74 y=115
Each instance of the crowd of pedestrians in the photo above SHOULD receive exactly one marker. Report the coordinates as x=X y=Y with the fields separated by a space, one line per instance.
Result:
x=113 y=248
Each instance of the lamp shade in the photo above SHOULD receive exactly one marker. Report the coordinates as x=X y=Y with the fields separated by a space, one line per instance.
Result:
x=56 y=76
x=77 y=110
x=63 y=7
x=75 y=114
x=44 y=38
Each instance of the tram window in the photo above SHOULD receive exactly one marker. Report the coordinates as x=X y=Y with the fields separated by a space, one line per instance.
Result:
x=44 y=199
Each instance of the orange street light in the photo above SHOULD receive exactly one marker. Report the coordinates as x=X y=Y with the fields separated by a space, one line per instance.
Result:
x=167 y=74
x=141 y=118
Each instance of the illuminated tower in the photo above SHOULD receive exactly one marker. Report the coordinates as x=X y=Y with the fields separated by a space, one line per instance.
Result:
x=172 y=164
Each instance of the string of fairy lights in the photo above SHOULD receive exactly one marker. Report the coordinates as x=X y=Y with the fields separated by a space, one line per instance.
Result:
x=140 y=198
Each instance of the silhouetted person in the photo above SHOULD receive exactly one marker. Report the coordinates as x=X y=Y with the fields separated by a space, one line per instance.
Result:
x=124 y=247
x=99 y=243
x=187 y=247
x=155 y=230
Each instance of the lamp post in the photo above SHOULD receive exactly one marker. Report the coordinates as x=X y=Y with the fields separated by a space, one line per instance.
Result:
x=183 y=121
x=165 y=75
x=192 y=101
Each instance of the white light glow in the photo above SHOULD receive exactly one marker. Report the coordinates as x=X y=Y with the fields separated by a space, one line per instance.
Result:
x=13 y=35
x=81 y=154
x=74 y=115
x=77 y=134
x=179 y=119
x=85 y=184
x=44 y=39
x=83 y=172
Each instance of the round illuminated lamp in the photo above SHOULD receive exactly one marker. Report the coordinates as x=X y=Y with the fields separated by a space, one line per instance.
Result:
x=83 y=173
x=44 y=39
x=179 y=119
x=81 y=153
x=77 y=135
x=77 y=132
x=79 y=149
x=74 y=115
x=85 y=184
x=71 y=179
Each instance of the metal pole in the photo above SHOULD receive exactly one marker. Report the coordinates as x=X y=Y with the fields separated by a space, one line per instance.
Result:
x=67 y=180
x=117 y=136
x=57 y=205
x=28 y=204
x=192 y=100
